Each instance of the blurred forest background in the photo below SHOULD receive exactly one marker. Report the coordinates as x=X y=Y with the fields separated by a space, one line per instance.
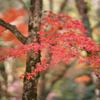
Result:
x=60 y=82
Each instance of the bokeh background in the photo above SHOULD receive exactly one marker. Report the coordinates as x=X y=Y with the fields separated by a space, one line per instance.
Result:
x=61 y=82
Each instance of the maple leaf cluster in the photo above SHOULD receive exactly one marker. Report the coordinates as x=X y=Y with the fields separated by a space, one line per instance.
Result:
x=64 y=39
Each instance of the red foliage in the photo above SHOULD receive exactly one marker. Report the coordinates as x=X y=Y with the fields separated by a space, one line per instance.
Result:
x=64 y=38
x=13 y=13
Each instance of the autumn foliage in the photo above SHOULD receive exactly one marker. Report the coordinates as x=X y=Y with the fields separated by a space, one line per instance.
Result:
x=64 y=39
x=14 y=16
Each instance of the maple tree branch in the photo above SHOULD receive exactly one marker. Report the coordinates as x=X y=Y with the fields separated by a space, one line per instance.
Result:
x=14 y=30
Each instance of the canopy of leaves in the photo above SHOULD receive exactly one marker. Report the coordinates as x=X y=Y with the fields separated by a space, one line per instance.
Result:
x=64 y=39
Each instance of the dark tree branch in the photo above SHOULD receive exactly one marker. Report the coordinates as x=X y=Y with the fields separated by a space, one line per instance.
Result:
x=14 y=30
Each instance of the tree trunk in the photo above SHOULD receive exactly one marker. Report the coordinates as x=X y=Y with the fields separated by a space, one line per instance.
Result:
x=41 y=86
x=51 y=5
x=30 y=86
x=83 y=11
x=63 y=5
